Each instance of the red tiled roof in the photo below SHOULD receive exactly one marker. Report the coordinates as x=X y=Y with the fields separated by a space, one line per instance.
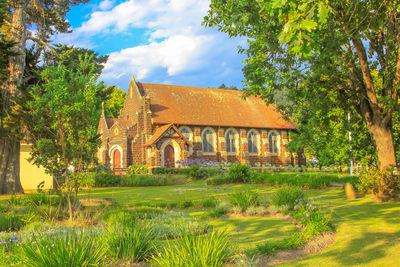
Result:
x=207 y=106
x=110 y=122
x=160 y=131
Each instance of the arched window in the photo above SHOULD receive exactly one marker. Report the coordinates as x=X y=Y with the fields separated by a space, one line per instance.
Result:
x=273 y=142
x=186 y=133
x=252 y=140
x=208 y=141
x=230 y=138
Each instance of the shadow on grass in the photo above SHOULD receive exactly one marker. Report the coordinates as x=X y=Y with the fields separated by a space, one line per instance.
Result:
x=365 y=249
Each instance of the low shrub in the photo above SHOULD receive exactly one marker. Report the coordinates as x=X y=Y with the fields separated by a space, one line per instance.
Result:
x=385 y=185
x=138 y=169
x=195 y=250
x=186 y=204
x=11 y=222
x=143 y=180
x=251 y=211
x=119 y=216
x=239 y=173
x=146 y=212
x=312 y=221
x=106 y=178
x=71 y=248
x=215 y=213
x=311 y=218
x=173 y=224
x=130 y=243
x=220 y=179
x=245 y=199
x=208 y=202
x=287 y=196
x=307 y=180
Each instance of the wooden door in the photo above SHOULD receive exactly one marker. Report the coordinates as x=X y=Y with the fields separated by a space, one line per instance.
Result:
x=169 y=156
x=116 y=159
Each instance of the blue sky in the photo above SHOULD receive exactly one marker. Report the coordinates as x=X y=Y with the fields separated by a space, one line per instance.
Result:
x=156 y=41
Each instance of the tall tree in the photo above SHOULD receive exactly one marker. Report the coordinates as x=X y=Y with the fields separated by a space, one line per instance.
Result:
x=114 y=103
x=334 y=45
x=46 y=17
x=64 y=112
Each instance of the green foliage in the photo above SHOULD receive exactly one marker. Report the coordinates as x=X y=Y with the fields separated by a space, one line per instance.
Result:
x=163 y=170
x=307 y=180
x=114 y=103
x=208 y=202
x=71 y=248
x=311 y=218
x=173 y=224
x=220 y=179
x=383 y=184
x=239 y=173
x=312 y=221
x=106 y=178
x=195 y=250
x=138 y=169
x=143 y=180
x=245 y=199
x=119 y=216
x=11 y=222
x=130 y=243
x=287 y=197
x=319 y=60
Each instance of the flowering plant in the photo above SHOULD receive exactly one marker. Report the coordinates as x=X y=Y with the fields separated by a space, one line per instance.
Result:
x=311 y=217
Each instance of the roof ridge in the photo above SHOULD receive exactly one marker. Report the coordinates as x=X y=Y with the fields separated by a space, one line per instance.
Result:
x=197 y=87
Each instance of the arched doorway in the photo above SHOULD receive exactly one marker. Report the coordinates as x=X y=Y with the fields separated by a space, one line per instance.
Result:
x=116 y=159
x=169 y=156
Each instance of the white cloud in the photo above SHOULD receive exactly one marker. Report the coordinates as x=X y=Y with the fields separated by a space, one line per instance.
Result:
x=175 y=41
x=106 y=4
x=177 y=53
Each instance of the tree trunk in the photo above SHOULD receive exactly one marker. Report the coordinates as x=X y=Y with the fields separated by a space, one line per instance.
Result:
x=383 y=138
x=9 y=147
x=9 y=167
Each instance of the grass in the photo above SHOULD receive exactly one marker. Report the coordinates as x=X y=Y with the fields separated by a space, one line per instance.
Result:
x=368 y=233
x=246 y=232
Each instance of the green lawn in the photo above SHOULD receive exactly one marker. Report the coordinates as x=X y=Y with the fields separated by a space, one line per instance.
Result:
x=368 y=233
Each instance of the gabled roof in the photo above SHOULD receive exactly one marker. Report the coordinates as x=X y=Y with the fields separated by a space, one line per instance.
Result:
x=207 y=106
x=121 y=122
x=161 y=130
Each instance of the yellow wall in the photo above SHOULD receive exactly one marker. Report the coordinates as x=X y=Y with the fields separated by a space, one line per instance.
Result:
x=31 y=175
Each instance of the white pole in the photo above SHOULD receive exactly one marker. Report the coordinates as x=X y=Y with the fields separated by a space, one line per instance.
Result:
x=351 y=154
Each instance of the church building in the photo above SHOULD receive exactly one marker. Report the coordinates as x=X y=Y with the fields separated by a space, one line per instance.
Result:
x=161 y=125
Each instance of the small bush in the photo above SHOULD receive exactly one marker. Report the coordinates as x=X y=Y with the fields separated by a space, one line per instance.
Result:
x=251 y=211
x=75 y=248
x=138 y=169
x=11 y=222
x=311 y=219
x=146 y=212
x=385 y=185
x=186 y=204
x=287 y=196
x=195 y=250
x=143 y=180
x=220 y=179
x=245 y=199
x=130 y=243
x=118 y=216
x=213 y=213
x=239 y=173
x=172 y=224
x=106 y=178
x=208 y=202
